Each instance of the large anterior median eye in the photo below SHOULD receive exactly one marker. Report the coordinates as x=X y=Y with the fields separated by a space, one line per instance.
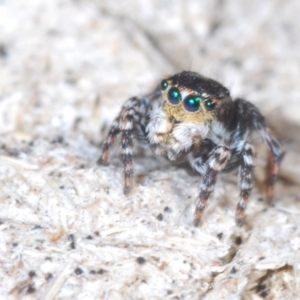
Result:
x=174 y=95
x=192 y=103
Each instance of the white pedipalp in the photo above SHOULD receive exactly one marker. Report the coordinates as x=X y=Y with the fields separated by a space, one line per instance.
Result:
x=158 y=126
x=185 y=133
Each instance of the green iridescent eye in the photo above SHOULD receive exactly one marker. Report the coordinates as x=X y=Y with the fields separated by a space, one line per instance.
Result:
x=210 y=105
x=174 y=95
x=192 y=103
x=164 y=84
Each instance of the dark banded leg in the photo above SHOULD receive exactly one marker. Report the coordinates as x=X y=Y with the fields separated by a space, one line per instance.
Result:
x=245 y=182
x=275 y=156
x=126 y=156
x=216 y=162
x=272 y=171
x=127 y=126
x=132 y=120
x=274 y=159
x=110 y=139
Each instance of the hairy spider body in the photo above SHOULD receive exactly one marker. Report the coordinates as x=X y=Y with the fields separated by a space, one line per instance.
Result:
x=191 y=116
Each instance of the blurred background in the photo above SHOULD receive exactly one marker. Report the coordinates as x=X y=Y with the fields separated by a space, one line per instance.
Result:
x=65 y=62
x=66 y=67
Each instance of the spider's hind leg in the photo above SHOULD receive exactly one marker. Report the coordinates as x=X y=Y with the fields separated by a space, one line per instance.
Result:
x=274 y=158
x=275 y=154
x=110 y=139
x=250 y=112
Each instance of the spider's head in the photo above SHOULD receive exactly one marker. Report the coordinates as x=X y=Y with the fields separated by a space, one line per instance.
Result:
x=191 y=97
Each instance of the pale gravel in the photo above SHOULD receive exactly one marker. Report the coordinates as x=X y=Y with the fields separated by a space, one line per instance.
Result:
x=65 y=69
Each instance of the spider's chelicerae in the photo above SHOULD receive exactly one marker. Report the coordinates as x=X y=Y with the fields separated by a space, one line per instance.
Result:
x=191 y=116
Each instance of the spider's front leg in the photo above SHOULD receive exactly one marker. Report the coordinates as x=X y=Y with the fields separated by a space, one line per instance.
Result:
x=245 y=182
x=109 y=141
x=130 y=117
x=215 y=163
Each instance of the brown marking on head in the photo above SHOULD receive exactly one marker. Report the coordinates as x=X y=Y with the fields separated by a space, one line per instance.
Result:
x=179 y=113
x=212 y=100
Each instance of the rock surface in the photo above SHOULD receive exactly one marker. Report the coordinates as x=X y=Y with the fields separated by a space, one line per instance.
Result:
x=67 y=231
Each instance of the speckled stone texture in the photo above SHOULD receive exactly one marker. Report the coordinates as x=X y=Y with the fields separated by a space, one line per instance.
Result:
x=66 y=229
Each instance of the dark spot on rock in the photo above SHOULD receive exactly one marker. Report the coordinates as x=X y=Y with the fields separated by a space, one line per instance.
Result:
x=167 y=209
x=49 y=276
x=58 y=140
x=220 y=235
x=262 y=290
x=30 y=289
x=78 y=271
x=261 y=287
x=31 y=274
x=72 y=239
x=238 y=240
x=3 y=51
x=37 y=227
x=159 y=217
x=141 y=260
x=264 y=294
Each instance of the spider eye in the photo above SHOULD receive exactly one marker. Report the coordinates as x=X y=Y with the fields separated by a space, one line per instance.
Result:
x=164 y=84
x=210 y=105
x=174 y=95
x=192 y=103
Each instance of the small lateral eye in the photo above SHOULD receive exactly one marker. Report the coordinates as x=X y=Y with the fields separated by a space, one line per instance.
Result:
x=164 y=84
x=210 y=105
x=174 y=95
x=192 y=103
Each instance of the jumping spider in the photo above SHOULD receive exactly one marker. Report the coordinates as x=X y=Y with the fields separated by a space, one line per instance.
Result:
x=191 y=116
